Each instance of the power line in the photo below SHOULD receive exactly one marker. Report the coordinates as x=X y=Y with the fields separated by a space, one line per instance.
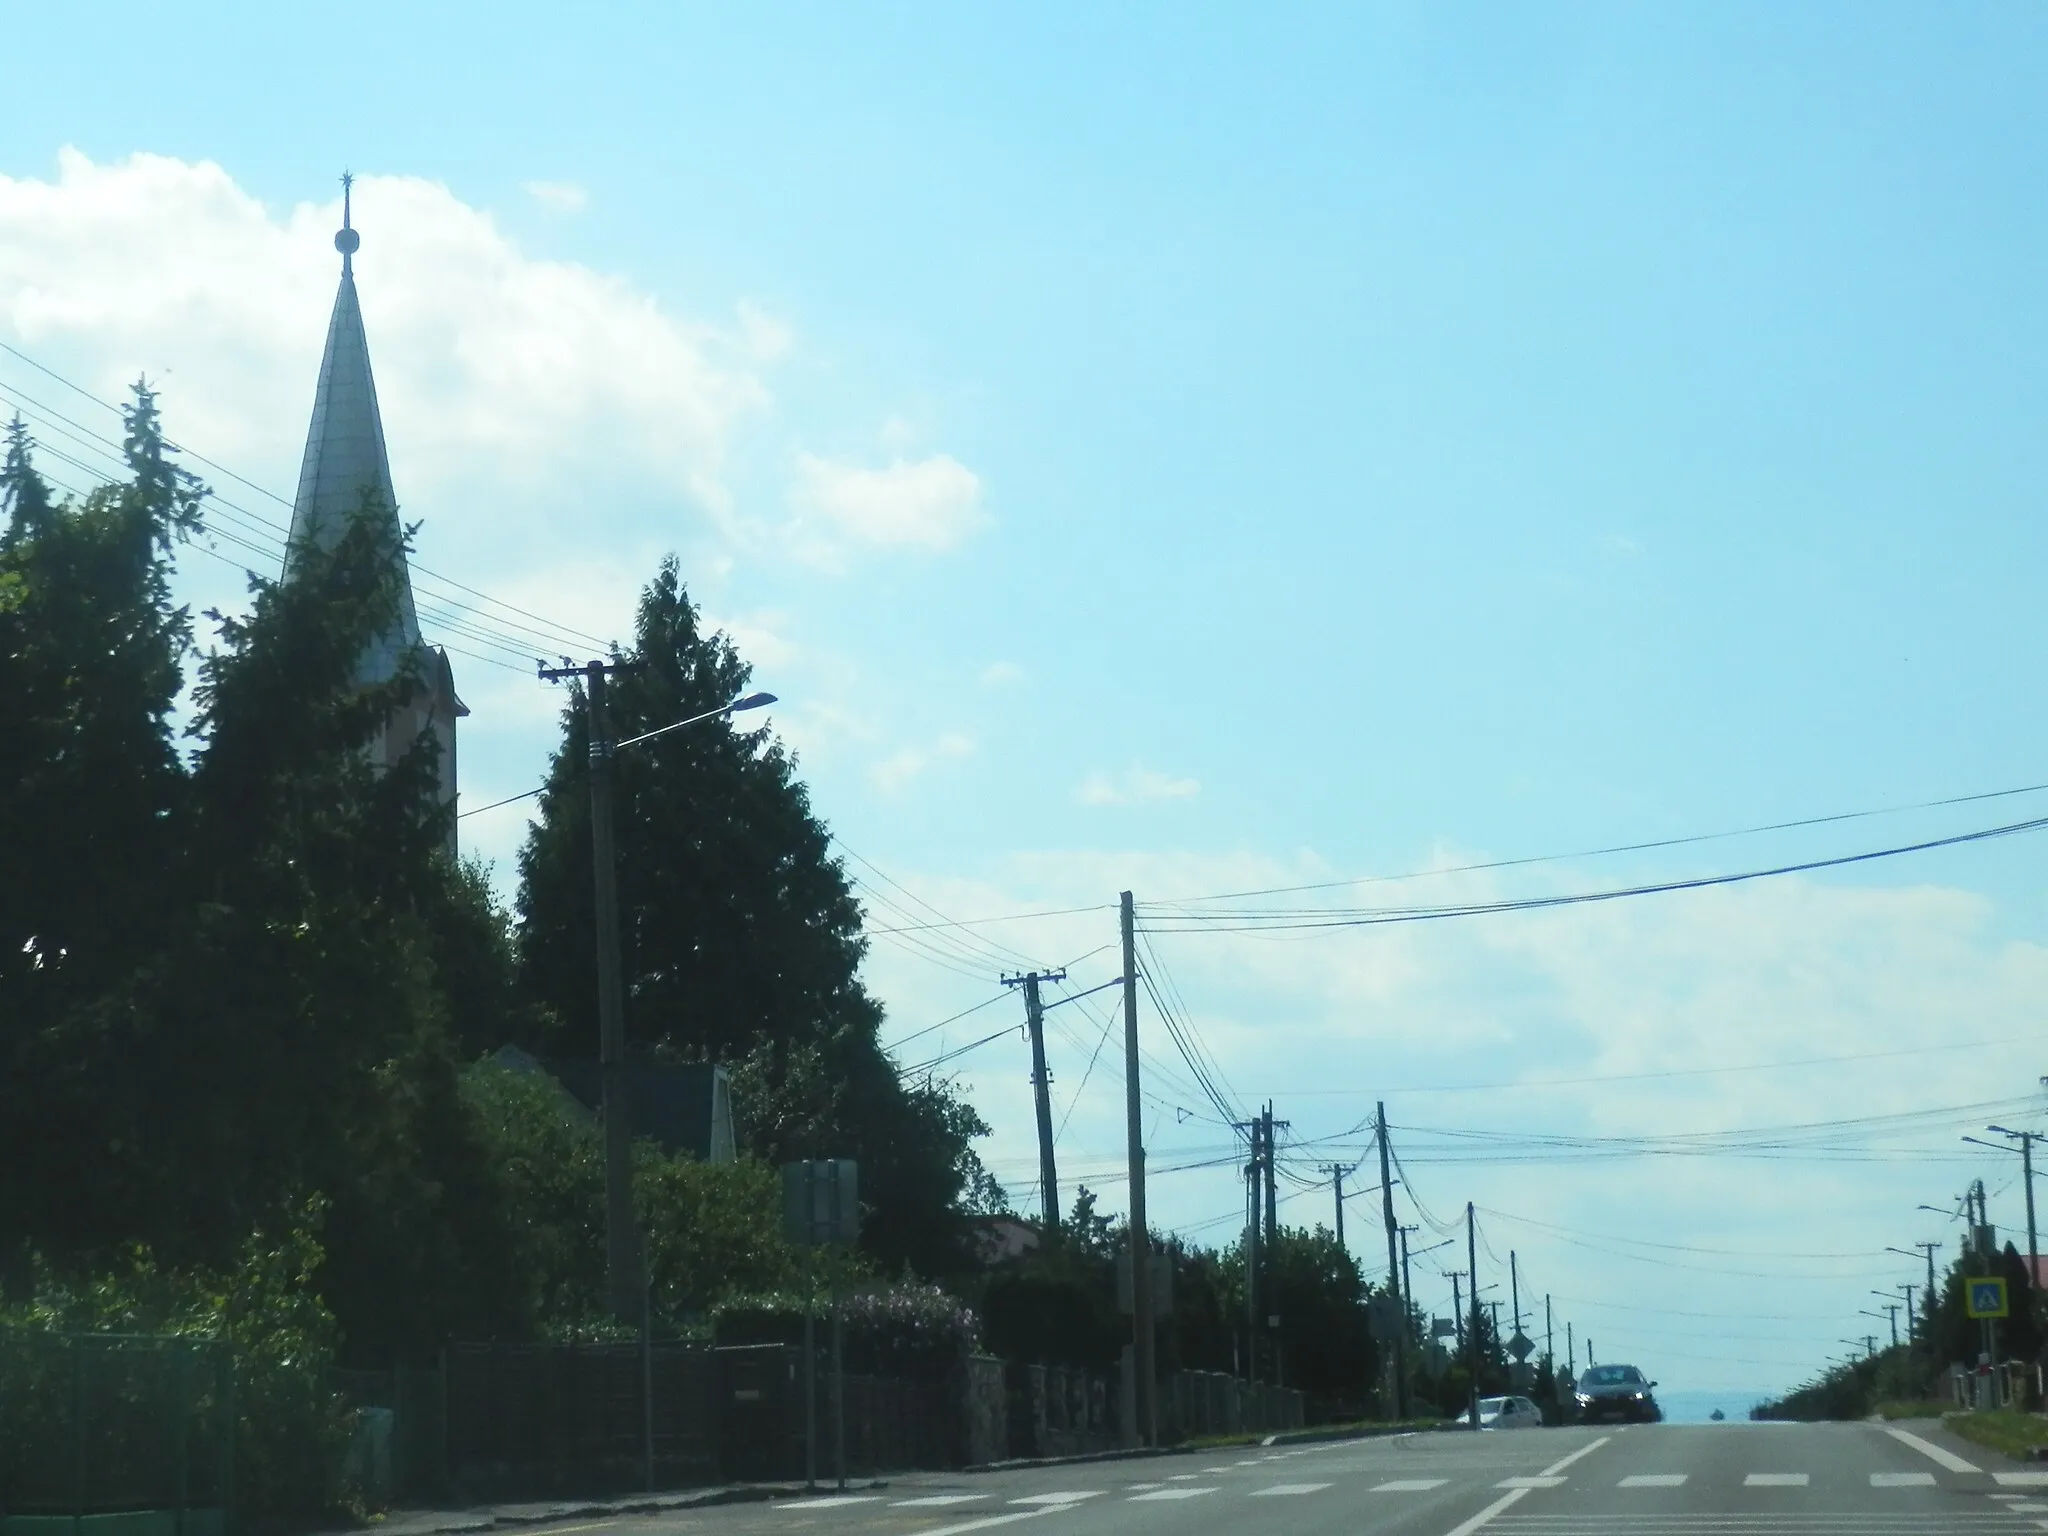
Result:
x=1281 y=921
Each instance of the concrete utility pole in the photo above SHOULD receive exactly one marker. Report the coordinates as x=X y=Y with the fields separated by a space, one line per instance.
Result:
x=1041 y=1088
x=1515 y=1287
x=1254 y=1243
x=2026 y=1139
x=1472 y=1261
x=1458 y=1306
x=1141 y=1239
x=1892 y=1308
x=1272 y=1201
x=1393 y=1232
x=1407 y=1290
x=1336 y=1171
x=621 y=1250
x=1571 y=1354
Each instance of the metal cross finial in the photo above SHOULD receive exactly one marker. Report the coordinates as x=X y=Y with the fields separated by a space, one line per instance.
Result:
x=346 y=240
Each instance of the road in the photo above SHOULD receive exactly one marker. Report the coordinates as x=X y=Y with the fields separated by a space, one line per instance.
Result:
x=1706 y=1480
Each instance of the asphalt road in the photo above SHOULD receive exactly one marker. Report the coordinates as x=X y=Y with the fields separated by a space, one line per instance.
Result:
x=1705 y=1480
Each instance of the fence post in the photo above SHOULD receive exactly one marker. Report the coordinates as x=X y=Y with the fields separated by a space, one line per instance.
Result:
x=230 y=1494
x=182 y=1419
x=77 y=1348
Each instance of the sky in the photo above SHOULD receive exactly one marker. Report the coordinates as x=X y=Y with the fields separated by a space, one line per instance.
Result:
x=1195 y=451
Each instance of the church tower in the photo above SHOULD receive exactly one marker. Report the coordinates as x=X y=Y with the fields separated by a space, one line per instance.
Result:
x=344 y=458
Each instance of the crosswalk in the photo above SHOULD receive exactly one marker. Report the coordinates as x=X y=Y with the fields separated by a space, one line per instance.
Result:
x=1183 y=1487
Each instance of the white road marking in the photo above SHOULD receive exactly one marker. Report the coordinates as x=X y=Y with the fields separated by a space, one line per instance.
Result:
x=1189 y=1477
x=1059 y=1498
x=987 y=1521
x=1169 y=1493
x=1530 y=1482
x=1585 y=1450
x=2021 y=1479
x=1288 y=1490
x=1775 y=1480
x=1653 y=1480
x=1902 y=1479
x=1142 y=1487
x=1485 y=1516
x=939 y=1500
x=1224 y=1468
x=1947 y=1460
x=832 y=1501
x=1410 y=1485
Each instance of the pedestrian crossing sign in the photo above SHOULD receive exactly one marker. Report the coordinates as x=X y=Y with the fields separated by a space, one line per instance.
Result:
x=1986 y=1298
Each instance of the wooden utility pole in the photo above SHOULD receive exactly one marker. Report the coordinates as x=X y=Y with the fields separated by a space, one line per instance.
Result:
x=1041 y=1089
x=1272 y=1195
x=1393 y=1240
x=621 y=1250
x=1336 y=1171
x=1141 y=1263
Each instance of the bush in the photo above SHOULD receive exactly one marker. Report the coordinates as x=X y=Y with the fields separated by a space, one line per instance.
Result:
x=908 y=1331
x=291 y=1429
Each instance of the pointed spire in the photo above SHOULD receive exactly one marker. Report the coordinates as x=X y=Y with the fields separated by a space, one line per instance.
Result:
x=345 y=445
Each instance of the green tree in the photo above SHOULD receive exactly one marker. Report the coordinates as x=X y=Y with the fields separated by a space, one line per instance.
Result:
x=741 y=940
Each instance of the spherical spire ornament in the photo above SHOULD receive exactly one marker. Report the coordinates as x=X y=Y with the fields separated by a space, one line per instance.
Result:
x=347 y=241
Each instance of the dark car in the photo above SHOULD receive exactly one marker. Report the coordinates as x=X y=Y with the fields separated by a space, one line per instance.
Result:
x=1617 y=1392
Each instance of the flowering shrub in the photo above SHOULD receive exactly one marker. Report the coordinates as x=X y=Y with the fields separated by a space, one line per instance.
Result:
x=899 y=1330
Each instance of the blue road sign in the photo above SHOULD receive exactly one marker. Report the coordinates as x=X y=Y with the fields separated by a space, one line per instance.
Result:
x=1986 y=1298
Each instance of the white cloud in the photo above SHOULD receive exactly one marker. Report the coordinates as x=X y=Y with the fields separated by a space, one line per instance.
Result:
x=1134 y=786
x=901 y=769
x=1001 y=674
x=931 y=503
x=558 y=196
x=508 y=382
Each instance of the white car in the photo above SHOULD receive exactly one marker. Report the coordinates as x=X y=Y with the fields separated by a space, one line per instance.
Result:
x=1509 y=1413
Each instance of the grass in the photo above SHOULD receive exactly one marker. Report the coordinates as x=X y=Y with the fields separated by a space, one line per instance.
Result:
x=1913 y=1410
x=2014 y=1434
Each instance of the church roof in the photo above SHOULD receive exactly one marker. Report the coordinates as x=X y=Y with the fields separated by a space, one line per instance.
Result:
x=345 y=450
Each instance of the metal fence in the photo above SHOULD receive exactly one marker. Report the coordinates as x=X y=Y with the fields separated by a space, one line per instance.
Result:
x=535 y=1420
x=95 y=1425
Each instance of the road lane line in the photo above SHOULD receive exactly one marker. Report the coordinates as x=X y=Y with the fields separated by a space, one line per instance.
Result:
x=1287 y=1490
x=1902 y=1479
x=832 y=1501
x=2021 y=1479
x=1585 y=1450
x=1410 y=1485
x=940 y=1500
x=1057 y=1499
x=1776 y=1480
x=988 y=1521
x=1530 y=1482
x=1653 y=1480
x=1485 y=1516
x=1162 y=1495
x=1947 y=1460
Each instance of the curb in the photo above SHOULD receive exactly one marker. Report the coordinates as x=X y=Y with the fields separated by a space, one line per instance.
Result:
x=467 y=1522
x=1027 y=1463
x=1330 y=1436
x=1140 y=1453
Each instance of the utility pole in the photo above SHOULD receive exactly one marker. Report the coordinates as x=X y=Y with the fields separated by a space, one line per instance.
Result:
x=1393 y=1231
x=1515 y=1288
x=1407 y=1290
x=1472 y=1261
x=1549 y=1353
x=1908 y=1289
x=1041 y=1088
x=1458 y=1306
x=1336 y=1171
x=1571 y=1354
x=621 y=1250
x=2026 y=1139
x=1141 y=1261
x=1255 y=1184
x=1892 y=1308
x=1272 y=1215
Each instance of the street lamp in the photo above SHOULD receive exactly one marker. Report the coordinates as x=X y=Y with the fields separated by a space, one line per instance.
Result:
x=623 y=1259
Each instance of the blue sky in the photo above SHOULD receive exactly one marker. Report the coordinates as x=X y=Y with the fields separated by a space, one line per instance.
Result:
x=1195 y=451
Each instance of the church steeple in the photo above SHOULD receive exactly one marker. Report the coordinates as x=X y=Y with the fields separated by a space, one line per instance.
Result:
x=345 y=447
x=345 y=457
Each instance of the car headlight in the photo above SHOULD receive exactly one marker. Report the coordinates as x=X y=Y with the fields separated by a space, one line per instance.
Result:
x=1641 y=1395
x=1584 y=1399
